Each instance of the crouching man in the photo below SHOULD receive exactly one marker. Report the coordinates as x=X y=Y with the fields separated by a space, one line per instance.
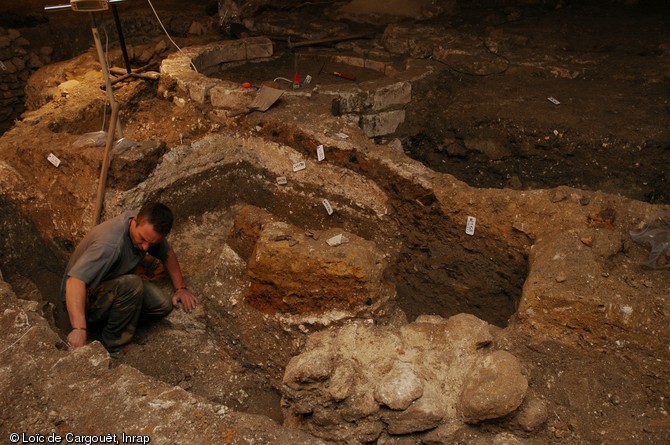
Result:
x=99 y=285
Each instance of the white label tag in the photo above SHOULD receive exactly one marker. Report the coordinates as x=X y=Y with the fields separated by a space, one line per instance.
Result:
x=320 y=155
x=53 y=159
x=299 y=166
x=553 y=100
x=2 y=65
x=281 y=180
x=470 y=226
x=329 y=209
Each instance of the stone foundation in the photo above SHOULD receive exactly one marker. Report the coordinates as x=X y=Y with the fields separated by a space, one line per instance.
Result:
x=17 y=63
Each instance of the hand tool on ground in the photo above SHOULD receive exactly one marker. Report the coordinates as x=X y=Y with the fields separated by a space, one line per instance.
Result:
x=265 y=98
x=337 y=73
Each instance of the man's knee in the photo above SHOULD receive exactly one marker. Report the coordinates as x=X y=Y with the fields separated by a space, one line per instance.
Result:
x=157 y=303
x=129 y=289
x=164 y=309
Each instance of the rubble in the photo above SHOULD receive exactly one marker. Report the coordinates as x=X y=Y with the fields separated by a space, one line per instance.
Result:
x=422 y=376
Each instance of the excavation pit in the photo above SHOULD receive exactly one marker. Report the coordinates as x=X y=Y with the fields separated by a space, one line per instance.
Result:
x=588 y=328
x=434 y=267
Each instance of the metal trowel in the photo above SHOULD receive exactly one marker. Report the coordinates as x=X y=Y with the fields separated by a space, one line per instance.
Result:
x=265 y=98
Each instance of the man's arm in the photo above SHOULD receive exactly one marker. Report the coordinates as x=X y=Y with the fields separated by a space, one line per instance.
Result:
x=75 y=300
x=183 y=295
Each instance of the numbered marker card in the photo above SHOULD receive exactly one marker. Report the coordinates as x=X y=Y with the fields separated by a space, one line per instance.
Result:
x=329 y=209
x=470 y=225
x=53 y=159
x=299 y=166
x=320 y=154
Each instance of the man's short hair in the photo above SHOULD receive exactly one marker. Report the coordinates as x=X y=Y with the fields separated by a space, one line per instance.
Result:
x=158 y=215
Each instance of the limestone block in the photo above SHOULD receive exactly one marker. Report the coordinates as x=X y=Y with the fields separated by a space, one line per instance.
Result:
x=350 y=101
x=493 y=149
x=10 y=68
x=258 y=48
x=444 y=433
x=11 y=94
x=34 y=61
x=506 y=439
x=359 y=406
x=19 y=63
x=424 y=414
x=145 y=56
x=197 y=29
x=232 y=51
x=229 y=96
x=474 y=332
x=200 y=91
x=68 y=86
x=532 y=414
x=311 y=367
x=22 y=41
x=376 y=65
x=214 y=55
x=494 y=388
x=357 y=100
x=382 y=124
x=342 y=381
x=415 y=41
x=398 y=93
x=400 y=387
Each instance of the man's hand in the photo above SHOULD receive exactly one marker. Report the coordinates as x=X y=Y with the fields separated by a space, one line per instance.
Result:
x=186 y=298
x=76 y=339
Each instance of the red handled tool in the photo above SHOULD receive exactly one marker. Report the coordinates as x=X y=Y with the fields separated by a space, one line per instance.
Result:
x=336 y=73
x=343 y=76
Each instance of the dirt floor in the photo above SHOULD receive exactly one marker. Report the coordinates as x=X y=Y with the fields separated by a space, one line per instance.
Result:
x=489 y=124
x=609 y=131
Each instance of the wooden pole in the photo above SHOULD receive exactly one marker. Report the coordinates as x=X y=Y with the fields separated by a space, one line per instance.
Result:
x=102 y=183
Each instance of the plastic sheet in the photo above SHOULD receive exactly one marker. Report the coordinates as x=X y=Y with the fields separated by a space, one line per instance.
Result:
x=123 y=144
x=99 y=139
x=657 y=234
x=94 y=139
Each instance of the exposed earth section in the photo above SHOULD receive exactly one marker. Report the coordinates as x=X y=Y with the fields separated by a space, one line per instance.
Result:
x=466 y=243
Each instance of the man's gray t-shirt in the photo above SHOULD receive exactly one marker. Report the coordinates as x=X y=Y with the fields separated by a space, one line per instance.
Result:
x=108 y=252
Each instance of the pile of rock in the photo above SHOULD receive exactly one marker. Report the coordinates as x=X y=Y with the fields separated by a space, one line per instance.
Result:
x=17 y=63
x=431 y=378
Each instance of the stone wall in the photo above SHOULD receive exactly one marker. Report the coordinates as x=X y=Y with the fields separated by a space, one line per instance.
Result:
x=17 y=62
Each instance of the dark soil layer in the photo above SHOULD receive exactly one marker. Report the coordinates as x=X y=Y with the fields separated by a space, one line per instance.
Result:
x=610 y=131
